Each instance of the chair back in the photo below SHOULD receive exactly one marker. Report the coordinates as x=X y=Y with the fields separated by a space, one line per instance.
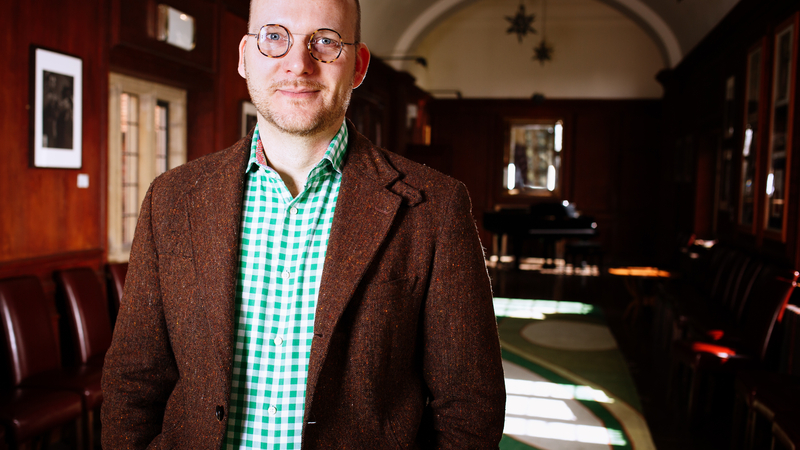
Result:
x=27 y=322
x=768 y=298
x=116 y=273
x=86 y=311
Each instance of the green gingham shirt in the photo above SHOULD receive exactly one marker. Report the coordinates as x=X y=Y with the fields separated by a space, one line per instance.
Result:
x=283 y=244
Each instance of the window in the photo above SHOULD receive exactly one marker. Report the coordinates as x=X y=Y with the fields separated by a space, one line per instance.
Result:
x=147 y=137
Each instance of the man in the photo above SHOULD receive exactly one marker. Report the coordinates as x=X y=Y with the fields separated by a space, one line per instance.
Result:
x=303 y=287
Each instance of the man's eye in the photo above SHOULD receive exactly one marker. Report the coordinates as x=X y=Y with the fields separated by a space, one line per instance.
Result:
x=274 y=37
x=324 y=41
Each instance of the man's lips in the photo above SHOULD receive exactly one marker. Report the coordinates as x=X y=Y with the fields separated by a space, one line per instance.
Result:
x=294 y=89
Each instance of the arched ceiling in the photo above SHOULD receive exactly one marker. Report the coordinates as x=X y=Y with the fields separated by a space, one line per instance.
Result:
x=395 y=27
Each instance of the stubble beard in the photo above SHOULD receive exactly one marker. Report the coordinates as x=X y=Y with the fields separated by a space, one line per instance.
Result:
x=302 y=121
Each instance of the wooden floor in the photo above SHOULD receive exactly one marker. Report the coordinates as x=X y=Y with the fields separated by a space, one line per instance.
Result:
x=667 y=424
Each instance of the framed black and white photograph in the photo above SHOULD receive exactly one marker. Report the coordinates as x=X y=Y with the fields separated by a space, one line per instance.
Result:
x=56 y=109
x=249 y=117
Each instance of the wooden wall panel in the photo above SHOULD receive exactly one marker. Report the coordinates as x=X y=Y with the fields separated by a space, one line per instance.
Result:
x=43 y=213
x=611 y=161
x=231 y=87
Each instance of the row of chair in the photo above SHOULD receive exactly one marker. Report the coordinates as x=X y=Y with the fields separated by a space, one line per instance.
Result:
x=55 y=355
x=717 y=322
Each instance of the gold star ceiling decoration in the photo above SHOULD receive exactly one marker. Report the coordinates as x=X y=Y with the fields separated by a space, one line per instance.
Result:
x=521 y=23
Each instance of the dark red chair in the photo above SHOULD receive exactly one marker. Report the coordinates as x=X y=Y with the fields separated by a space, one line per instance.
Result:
x=115 y=276
x=742 y=349
x=84 y=309
x=32 y=355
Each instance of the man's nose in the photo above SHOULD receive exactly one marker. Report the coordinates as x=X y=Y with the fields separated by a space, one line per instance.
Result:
x=299 y=60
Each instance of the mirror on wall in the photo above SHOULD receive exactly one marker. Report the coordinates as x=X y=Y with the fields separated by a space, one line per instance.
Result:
x=532 y=159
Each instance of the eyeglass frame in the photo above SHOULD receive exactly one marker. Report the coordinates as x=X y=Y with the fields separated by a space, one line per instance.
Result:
x=342 y=43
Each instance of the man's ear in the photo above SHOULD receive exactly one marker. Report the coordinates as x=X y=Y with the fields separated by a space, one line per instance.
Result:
x=242 y=45
x=362 y=64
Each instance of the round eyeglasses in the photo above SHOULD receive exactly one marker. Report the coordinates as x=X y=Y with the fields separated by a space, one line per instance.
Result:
x=324 y=45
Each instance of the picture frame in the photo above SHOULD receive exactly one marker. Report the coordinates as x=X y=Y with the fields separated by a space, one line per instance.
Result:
x=249 y=117
x=56 y=109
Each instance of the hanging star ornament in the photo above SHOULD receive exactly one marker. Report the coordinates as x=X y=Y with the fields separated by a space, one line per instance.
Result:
x=521 y=23
x=543 y=52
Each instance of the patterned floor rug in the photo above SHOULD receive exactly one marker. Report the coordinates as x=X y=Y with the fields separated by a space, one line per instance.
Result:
x=568 y=387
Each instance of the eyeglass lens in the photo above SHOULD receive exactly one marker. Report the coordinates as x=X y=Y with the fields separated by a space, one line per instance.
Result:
x=274 y=41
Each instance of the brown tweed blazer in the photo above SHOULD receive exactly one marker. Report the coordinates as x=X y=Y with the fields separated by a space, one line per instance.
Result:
x=405 y=351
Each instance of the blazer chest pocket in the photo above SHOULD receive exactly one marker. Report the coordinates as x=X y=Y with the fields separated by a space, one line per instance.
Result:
x=390 y=293
x=388 y=302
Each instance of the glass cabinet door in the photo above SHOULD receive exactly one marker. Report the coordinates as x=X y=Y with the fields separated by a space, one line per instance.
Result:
x=750 y=147
x=778 y=160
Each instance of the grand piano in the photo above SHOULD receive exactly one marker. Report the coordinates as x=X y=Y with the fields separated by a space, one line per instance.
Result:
x=548 y=222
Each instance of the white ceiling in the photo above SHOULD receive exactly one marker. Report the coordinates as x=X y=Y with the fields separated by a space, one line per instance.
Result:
x=396 y=27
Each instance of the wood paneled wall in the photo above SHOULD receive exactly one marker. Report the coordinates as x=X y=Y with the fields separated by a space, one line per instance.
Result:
x=611 y=170
x=46 y=222
x=44 y=216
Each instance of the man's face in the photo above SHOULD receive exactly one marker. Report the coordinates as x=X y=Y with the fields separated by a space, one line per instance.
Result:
x=296 y=93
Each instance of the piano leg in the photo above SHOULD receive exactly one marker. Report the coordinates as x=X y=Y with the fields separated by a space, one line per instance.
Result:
x=549 y=253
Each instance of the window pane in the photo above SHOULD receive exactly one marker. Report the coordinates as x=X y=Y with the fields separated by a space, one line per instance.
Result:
x=162 y=137
x=130 y=165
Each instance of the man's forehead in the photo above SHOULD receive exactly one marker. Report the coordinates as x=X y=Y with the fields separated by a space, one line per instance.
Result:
x=300 y=9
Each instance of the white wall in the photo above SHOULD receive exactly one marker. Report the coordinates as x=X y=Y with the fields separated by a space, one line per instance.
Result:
x=599 y=53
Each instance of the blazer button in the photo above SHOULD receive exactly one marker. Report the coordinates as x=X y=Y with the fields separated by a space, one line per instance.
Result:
x=220 y=412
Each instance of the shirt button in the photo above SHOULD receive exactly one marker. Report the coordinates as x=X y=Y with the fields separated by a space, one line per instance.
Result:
x=286 y=275
x=293 y=210
x=272 y=410
x=220 y=412
x=278 y=341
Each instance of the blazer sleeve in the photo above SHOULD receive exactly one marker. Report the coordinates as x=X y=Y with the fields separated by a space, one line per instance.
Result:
x=140 y=370
x=462 y=363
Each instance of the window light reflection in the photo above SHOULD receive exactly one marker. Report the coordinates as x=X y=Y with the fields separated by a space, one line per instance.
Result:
x=555 y=390
x=563 y=431
x=538 y=407
x=770 y=184
x=536 y=309
x=559 y=136
x=748 y=139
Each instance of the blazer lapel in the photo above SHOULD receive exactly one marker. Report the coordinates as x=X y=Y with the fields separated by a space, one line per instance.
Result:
x=364 y=214
x=215 y=206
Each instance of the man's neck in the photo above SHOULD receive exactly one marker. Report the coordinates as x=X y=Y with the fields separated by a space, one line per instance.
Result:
x=293 y=156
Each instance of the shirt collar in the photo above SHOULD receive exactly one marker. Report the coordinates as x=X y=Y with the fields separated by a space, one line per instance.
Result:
x=334 y=154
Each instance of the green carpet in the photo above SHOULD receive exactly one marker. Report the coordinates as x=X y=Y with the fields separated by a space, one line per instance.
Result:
x=568 y=385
